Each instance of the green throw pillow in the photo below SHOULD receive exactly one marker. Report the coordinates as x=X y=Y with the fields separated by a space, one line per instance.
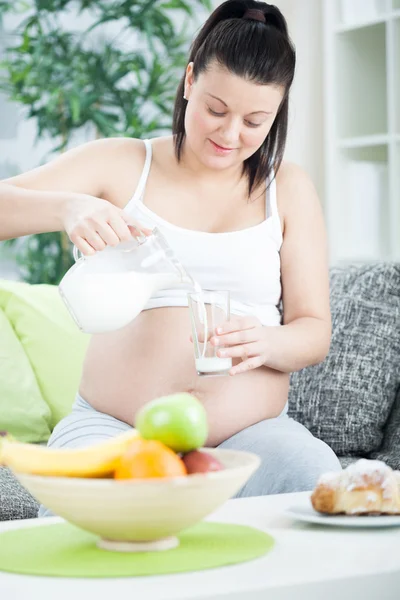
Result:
x=23 y=411
x=52 y=342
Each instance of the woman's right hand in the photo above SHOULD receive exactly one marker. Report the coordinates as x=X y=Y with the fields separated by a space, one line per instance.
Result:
x=93 y=223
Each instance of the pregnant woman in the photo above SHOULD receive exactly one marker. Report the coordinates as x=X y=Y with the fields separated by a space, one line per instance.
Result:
x=237 y=217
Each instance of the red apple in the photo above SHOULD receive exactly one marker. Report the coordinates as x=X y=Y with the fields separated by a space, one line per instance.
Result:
x=198 y=461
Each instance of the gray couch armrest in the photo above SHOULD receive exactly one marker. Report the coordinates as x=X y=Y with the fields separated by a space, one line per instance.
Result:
x=15 y=501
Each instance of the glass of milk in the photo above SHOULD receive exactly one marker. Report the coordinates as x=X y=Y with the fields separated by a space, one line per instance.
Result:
x=207 y=311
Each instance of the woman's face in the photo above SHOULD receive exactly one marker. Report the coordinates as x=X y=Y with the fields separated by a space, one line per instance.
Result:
x=227 y=117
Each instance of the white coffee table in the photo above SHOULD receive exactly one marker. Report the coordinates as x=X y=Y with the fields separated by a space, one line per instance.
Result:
x=310 y=562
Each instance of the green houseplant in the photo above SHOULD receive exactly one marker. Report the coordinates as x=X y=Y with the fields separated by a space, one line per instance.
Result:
x=116 y=76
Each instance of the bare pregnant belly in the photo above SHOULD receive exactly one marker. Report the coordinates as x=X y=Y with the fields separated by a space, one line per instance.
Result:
x=153 y=356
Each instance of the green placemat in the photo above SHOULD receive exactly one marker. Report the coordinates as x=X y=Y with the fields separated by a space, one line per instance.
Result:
x=63 y=550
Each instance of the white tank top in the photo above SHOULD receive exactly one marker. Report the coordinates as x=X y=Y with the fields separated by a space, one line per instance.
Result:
x=245 y=262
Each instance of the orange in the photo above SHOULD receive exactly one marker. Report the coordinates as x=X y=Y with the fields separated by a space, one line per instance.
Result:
x=146 y=459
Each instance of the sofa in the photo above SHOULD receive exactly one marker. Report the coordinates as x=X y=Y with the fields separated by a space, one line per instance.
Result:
x=351 y=400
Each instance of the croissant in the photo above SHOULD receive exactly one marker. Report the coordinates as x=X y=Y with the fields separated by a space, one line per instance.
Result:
x=366 y=487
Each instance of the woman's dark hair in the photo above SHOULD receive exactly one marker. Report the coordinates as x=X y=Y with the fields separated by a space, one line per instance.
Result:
x=251 y=40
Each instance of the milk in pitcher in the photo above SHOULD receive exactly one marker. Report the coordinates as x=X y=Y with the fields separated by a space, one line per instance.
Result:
x=92 y=294
x=107 y=290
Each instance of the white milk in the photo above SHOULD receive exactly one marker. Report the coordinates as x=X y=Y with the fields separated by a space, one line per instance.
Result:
x=208 y=364
x=213 y=364
x=103 y=302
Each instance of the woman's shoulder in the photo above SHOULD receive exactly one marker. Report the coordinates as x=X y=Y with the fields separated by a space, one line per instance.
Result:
x=108 y=154
x=117 y=148
x=291 y=175
x=132 y=151
x=295 y=193
x=119 y=162
x=295 y=189
x=124 y=148
x=126 y=159
x=123 y=160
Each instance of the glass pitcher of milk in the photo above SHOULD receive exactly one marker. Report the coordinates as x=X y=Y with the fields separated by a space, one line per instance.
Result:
x=107 y=290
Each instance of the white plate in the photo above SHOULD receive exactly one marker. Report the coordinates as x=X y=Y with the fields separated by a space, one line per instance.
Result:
x=305 y=512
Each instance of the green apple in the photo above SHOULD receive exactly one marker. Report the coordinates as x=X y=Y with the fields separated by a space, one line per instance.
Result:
x=178 y=420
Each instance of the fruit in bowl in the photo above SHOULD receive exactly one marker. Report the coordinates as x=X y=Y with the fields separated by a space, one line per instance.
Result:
x=146 y=459
x=134 y=493
x=178 y=420
x=198 y=461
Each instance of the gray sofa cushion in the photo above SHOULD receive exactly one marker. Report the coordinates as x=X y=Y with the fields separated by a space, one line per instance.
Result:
x=15 y=501
x=345 y=461
x=347 y=399
x=389 y=451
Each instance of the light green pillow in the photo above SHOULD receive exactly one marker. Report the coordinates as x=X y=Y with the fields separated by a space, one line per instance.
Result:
x=52 y=342
x=23 y=411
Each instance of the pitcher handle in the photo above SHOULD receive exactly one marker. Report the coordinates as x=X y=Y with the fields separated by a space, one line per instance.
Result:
x=77 y=254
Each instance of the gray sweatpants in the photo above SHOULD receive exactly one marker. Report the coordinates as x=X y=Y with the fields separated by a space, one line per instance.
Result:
x=292 y=458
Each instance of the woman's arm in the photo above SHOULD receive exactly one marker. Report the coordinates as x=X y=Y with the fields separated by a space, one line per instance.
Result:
x=304 y=337
x=35 y=202
x=23 y=212
x=68 y=193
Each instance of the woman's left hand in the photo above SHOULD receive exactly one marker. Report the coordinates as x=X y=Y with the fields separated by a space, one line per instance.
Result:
x=242 y=337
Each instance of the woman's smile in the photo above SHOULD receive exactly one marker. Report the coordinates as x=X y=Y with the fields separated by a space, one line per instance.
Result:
x=221 y=150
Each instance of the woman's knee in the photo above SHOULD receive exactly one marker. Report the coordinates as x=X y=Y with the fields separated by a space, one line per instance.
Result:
x=291 y=461
x=290 y=467
x=311 y=460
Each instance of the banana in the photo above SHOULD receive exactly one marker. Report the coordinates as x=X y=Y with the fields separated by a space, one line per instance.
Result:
x=98 y=460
